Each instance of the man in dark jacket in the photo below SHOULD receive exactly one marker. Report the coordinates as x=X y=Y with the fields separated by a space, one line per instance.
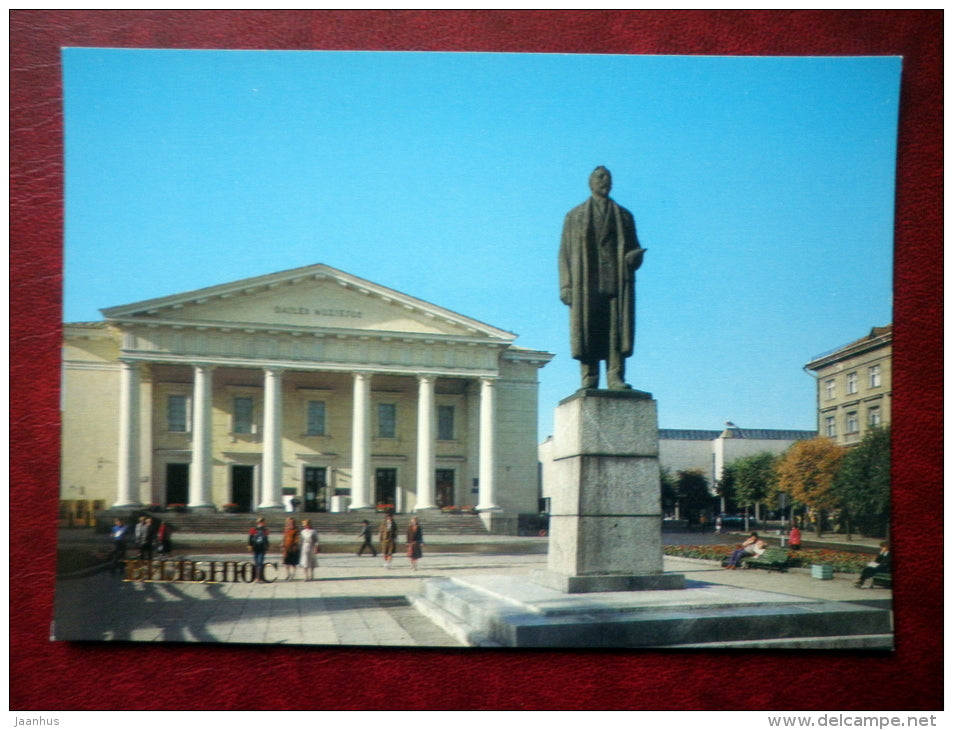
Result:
x=598 y=257
x=880 y=564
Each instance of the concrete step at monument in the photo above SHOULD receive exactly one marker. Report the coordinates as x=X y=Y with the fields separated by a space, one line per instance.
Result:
x=513 y=612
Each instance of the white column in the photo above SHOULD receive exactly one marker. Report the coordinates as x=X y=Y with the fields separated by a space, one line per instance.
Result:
x=425 y=443
x=271 y=460
x=487 y=427
x=200 y=473
x=361 y=442
x=127 y=493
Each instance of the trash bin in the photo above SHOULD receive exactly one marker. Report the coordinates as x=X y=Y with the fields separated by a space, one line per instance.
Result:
x=822 y=572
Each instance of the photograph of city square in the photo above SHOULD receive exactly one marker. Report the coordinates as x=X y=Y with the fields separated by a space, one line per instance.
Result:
x=486 y=350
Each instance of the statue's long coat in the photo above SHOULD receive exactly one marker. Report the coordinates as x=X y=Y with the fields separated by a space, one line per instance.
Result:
x=578 y=281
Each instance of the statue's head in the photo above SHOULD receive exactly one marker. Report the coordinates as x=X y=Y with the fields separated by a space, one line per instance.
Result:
x=600 y=182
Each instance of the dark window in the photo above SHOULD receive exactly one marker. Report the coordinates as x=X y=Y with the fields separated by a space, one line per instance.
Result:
x=445 y=423
x=315 y=418
x=243 y=415
x=387 y=420
x=178 y=413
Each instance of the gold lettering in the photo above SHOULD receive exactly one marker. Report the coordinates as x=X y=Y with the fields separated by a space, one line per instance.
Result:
x=270 y=565
x=133 y=570
x=214 y=572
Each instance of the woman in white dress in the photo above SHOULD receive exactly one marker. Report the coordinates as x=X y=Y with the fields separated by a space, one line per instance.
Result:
x=309 y=550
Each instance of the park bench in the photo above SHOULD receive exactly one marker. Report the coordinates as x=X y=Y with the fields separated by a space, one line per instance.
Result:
x=884 y=580
x=773 y=558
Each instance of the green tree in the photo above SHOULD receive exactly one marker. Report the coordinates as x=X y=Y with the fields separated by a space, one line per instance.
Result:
x=725 y=488
x=669 y=494
x=754 y=476
x=862 y=484
x=694 y=497
x=806 y=471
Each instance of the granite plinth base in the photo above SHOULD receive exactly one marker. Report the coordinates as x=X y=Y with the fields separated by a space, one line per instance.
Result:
x=604 y=583
x=510 y=611
x=605 y=514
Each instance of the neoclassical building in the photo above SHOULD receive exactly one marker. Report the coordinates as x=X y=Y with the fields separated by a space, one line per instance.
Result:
x=854 y=386
x=310 y=383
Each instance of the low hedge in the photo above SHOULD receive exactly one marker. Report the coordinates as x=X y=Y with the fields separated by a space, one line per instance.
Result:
x=841 y=562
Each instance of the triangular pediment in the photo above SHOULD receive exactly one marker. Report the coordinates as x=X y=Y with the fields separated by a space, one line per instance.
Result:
x=313 y=297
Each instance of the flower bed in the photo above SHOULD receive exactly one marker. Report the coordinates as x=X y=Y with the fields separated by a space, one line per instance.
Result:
x=840 y=561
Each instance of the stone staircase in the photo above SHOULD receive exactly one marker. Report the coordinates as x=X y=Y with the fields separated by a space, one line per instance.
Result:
x=326 y=523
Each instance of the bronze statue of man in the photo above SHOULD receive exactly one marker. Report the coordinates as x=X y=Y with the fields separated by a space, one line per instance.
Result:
x=598 y=258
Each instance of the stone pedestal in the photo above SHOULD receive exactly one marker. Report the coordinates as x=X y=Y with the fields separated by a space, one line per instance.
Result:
x=605 y=522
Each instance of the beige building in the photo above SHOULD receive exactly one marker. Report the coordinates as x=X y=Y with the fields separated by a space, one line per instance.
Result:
x=854 y=386
x=308 y=383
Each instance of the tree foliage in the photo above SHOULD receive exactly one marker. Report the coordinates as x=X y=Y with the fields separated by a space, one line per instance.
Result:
x=725 y=487
x=806 y=471
x=669 y=495
x=691 y=486
x=753 y=477
x=862 y=485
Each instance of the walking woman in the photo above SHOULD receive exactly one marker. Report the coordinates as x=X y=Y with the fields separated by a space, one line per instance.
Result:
x=388 y=538
x=291 y=548
x=415 y=538
x=309 y=550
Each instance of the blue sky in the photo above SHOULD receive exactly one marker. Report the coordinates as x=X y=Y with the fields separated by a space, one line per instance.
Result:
x=763 y=189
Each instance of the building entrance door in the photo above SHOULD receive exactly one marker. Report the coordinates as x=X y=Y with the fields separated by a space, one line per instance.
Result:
x=315 y=489
x=385 y=486
x=444 y=487
x=176 y=484
x=243 y=486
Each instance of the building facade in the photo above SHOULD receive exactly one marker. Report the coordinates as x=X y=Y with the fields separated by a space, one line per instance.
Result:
x=710 y=451
x=854 y=387
x=310 y=383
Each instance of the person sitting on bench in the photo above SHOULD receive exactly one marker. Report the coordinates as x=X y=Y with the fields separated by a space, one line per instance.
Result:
x=880 y=564
x=754 y=545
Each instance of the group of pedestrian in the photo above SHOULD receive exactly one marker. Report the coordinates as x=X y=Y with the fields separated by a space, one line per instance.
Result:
x=299 y=548
x=300 y=545
x=150 y=538
x=387 y=535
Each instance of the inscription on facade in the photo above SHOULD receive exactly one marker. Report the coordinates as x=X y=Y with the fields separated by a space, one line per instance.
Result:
x=308 y=311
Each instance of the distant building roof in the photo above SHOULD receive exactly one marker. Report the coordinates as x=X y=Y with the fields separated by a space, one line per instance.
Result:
x=877 y=337
x=769 y=434
x=687 y=434
x=756 y=434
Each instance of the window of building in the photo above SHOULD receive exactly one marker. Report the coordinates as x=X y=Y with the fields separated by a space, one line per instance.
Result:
x=178 y=413
x=242 y=413
x=830 y=389
x=874 y=376
x=387 y=420
x=851 y=383
x=445 y=423
x=873 y=416
x=853 y=425
x=316 y=418
x=830 y=426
